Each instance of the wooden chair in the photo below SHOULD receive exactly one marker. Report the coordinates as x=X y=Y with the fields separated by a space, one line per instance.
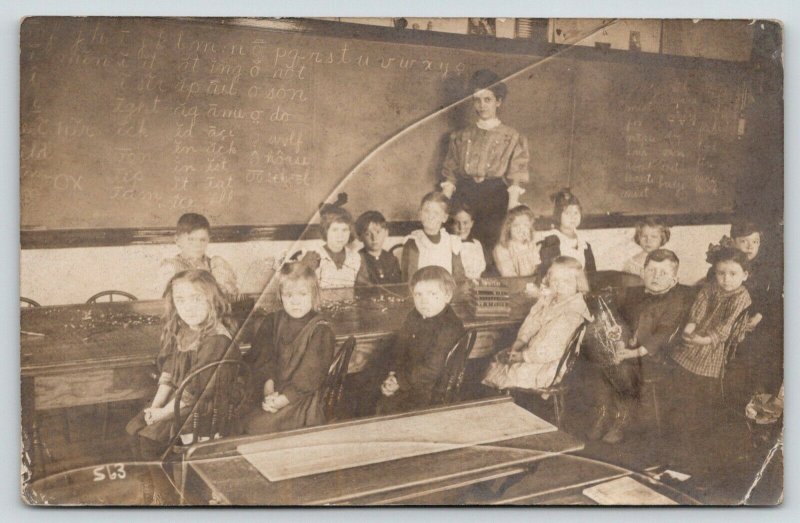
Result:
x=738 y=332
x=213 y=414
x=652 y=383
x=449 y=385
x=397 y=252
x=557 y=389
x=333 y=388
x=25 y=303
x=97 y=298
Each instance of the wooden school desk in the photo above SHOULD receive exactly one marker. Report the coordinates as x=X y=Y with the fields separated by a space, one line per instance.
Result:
x=94 y=354
x=217 y=472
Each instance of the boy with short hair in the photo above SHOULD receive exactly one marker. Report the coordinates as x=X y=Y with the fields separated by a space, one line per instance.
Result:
x=654 y=312
x=378 y=266
x=192 y=236
x=423 y=342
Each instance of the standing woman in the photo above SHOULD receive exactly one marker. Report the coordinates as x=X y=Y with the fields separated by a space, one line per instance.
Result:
x=486 y=162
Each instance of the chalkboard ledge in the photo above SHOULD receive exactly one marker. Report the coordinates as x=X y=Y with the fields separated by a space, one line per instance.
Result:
x=79 y=238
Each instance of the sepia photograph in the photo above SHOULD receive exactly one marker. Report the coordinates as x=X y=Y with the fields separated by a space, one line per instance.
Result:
x=401 y=261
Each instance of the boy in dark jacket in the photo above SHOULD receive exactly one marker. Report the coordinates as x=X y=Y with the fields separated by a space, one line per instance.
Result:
x=654 y=312
x=420 y=350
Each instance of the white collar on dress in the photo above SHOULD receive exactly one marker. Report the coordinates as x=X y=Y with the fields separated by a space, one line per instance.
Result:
x=420 y=237
x=323 y=252
x=488 y=125
x=567 y=240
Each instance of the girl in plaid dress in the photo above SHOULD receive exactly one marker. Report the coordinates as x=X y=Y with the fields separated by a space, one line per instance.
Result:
x=700 y=355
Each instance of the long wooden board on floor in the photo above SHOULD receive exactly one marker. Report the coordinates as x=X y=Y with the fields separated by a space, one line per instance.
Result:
x=391 y=439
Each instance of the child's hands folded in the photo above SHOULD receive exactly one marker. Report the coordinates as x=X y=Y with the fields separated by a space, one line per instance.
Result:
x=390 y=385
x=154 y=414
x=274 y=402
x=269 y=404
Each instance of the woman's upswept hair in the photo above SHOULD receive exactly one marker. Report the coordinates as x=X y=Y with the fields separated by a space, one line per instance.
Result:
x=298 y=271
x=569 y=262
x=513 y=214
x=219 y=308
x=488 y=79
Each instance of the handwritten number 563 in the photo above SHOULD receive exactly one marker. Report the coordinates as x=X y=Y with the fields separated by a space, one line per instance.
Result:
x=115 y=471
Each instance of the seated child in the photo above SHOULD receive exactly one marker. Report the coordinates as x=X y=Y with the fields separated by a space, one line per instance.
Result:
x=532 y=360
x=515 y=253
x=336 y=264
x=700 y=355
x=654 y=312
x=378 y=266
x=472 y=257
x=197 y=332
x=651 y=234
x=565 y=239
x=432 y=245
x=192 y=237
x=290 y=357
x=420 y=350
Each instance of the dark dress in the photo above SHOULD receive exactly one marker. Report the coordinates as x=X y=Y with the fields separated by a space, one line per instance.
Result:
x=378 y=271
x=296 y=354
x=194 y=352
x=418 y=358
x=758 y=363
x=550 y=249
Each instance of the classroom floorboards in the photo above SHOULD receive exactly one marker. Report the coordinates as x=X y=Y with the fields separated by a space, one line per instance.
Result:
x=722 y=463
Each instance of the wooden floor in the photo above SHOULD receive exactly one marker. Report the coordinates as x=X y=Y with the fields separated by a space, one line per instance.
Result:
x=722 y=465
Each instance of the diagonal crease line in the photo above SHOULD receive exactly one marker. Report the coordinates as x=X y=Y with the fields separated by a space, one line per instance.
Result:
x=759 y=475
x=335 y=191
x=315 y=218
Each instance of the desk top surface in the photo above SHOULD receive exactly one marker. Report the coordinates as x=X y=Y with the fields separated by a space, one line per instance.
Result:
x=234 y=480
x=122 y=334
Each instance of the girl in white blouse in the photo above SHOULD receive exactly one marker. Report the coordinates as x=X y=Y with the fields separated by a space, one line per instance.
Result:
x=472 y=258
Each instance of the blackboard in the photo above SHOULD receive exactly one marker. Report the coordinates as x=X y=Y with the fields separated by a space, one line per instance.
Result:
x=129 y=122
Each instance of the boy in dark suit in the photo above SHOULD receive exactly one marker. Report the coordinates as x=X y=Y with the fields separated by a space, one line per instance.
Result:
x=655 y=312
x=420 y=350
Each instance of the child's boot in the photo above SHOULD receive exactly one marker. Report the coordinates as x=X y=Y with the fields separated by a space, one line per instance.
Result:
x=617 y=431
x=605 y=415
